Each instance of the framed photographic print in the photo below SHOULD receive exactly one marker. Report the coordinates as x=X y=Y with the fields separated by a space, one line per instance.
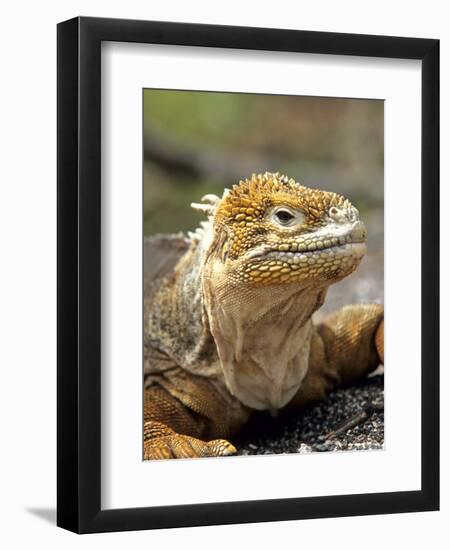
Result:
x=248 y=254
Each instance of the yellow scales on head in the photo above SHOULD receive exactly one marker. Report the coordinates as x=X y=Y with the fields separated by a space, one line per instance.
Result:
x=287 y=232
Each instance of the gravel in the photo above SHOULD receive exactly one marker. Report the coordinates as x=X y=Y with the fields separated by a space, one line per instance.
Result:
x=310 y=430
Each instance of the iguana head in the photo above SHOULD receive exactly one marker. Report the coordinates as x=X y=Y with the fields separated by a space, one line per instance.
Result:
x=269 y=251
x=270 y=230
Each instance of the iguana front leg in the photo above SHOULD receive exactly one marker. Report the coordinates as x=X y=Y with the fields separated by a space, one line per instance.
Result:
x=346 y=347
x=173 y=430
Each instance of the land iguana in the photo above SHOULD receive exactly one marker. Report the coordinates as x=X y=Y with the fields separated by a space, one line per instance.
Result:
x=228 y=327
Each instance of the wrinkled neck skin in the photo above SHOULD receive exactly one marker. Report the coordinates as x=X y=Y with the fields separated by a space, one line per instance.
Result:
x=262 y=335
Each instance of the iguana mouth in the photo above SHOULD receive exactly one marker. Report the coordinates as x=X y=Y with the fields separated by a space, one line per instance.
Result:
x=344 y=247
x=316 y=256
x=314 y=243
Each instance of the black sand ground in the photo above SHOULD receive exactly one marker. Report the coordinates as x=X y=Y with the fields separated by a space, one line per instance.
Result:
x=312 y=429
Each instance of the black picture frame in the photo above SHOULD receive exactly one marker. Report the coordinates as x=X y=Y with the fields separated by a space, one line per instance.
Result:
x=79 y=275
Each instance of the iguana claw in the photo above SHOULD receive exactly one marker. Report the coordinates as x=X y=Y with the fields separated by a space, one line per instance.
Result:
x=183 y=446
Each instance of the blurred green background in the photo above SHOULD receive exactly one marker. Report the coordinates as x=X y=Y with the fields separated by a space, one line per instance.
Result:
x=200 y=142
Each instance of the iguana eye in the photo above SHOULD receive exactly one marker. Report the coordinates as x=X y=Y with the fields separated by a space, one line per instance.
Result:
x=284 y=217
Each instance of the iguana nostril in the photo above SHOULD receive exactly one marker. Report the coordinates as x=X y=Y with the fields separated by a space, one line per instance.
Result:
x=337 y=215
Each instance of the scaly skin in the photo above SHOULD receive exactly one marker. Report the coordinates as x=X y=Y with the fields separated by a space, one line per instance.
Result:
x=228 y=329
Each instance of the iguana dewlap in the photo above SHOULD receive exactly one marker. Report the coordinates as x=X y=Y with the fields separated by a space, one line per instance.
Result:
x=228 y=310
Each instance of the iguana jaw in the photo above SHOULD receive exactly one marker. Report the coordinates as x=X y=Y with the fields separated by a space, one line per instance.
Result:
x=332 y=238
x=331 y=257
